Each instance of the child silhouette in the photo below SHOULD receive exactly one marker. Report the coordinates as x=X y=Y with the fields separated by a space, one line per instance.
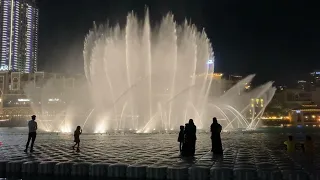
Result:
x=76 y=135
x=181 y=137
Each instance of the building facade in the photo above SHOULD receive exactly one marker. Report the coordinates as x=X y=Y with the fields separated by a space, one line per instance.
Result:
x=307 y=115
x=19 y=35
x=24 y=94
x=315 y=79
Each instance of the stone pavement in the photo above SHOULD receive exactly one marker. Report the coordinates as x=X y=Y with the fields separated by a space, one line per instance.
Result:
x=155 y=156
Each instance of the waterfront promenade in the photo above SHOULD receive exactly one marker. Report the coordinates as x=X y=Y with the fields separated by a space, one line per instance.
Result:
x=247 y=155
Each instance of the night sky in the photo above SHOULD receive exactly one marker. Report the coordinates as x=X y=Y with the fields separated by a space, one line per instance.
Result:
x=274 y=39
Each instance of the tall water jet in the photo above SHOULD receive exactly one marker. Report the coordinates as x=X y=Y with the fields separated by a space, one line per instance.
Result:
x=148 y=79
x=166 y=55
x=177 y=80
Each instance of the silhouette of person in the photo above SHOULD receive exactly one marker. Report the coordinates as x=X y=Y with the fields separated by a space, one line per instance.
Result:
x=308 y=146
x=32 y=125
x=76 y=135
x=290 y=144
x=181 y=138
x=191 y=138
x=185 y=142
x=216 y=145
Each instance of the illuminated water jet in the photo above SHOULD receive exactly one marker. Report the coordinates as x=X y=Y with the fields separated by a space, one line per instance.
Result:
x=148 y=79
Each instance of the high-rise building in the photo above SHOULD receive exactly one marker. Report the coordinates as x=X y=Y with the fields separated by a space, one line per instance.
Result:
x=18 y=35
x=315 y=79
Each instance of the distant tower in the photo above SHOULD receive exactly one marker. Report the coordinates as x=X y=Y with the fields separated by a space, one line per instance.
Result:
x=19 y=35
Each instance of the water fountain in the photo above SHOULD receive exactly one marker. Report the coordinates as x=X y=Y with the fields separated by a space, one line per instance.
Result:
x=145 y=80
x=149 y=79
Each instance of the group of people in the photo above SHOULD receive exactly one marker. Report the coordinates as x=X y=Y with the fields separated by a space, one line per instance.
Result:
x=307 y=146
x=187 y=138
x=33 y=127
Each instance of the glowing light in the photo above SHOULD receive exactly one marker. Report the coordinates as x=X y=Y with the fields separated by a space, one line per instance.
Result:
x=23 y=100
x=101 y=128
x=65 y=129
x=4 y=68
x=210 y=61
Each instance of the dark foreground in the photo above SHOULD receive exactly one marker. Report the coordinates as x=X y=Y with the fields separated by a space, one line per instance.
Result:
x=247 y=155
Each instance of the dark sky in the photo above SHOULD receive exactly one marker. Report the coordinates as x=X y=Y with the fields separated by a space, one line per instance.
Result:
x=273 y=38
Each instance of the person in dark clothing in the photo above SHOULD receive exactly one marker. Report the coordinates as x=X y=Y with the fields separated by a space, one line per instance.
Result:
x=76 y=135
x=192 y=137
x=185 y=145
x=181 y=137
x=216 y=129
x=33 y=127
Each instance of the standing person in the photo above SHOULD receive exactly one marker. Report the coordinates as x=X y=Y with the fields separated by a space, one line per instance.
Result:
x=308 y=146
x=192 y=137
x=185 y=145
x=32 y=125
x=216 y=145
x=181 y=138
x=76 y=135
x=291 y=145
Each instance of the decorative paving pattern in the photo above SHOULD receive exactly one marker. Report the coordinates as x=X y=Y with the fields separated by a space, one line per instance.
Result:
x=156 y=156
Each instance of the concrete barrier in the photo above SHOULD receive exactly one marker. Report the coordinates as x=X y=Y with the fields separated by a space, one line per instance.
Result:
x=99 y=170
x=14 y=167
x=244 y=173
x=80 y=169
x=221 y=173
x=46 y=168
x=136 y=171
x=3 y=167
x=117 y=170
x=63 y=168
x=30 y=167
x=157 y=172
x=294 y=175
x=199 y=173
x=177 y=173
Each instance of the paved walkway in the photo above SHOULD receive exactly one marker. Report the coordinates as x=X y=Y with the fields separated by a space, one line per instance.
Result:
x=156 y=156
